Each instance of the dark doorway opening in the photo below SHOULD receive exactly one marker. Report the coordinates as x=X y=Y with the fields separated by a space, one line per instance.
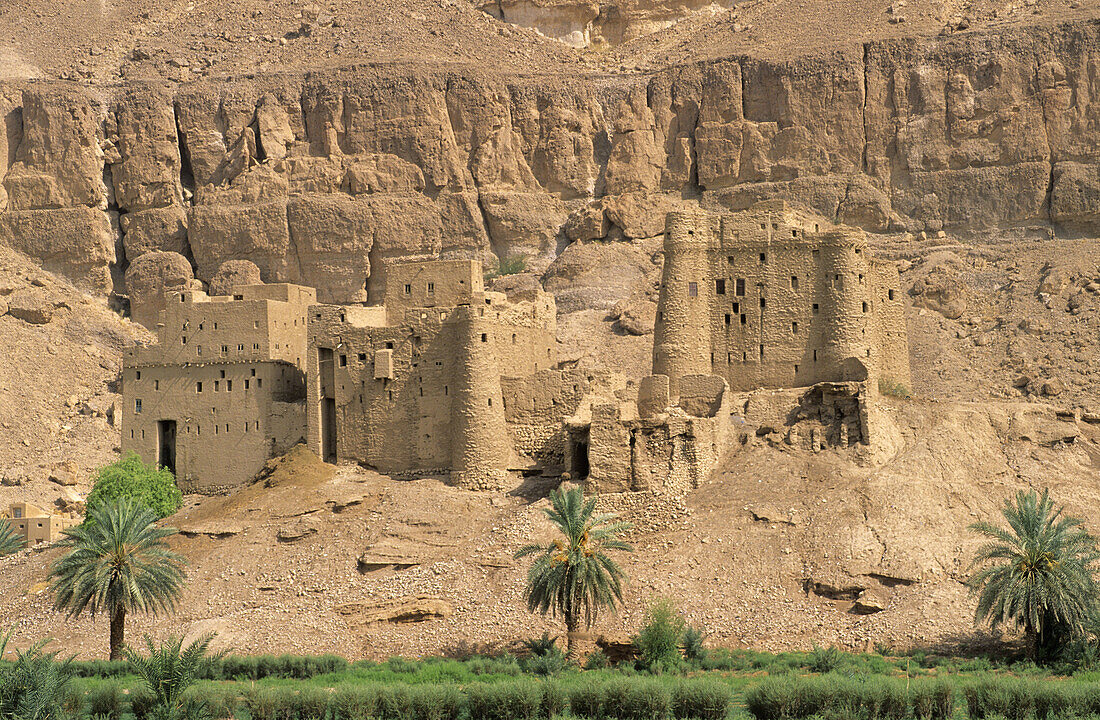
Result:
x=578 y=466
x=166 y=444
x=328 y=429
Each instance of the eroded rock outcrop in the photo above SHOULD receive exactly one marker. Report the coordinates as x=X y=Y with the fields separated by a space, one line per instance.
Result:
x=326 y=178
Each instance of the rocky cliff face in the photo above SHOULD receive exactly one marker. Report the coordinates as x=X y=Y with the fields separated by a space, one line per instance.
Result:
x=324 y=177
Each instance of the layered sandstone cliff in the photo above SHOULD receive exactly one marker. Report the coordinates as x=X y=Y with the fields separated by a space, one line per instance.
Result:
x=321 y=177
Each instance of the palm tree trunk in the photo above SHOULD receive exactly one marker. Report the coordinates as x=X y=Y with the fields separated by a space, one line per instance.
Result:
x=572 y=625
x=118 y=627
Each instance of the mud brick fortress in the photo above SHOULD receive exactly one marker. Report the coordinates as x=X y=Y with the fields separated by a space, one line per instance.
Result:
x=446 y=377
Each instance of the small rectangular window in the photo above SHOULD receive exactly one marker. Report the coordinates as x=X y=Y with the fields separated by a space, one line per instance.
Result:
x=408 y=289
x=484 y=337
x=761 y=352
x=794 y=328
x=794 y=282
x=183 y=340
x=362 y=357
x=816 y=308
x=729 y=318
x=225 y=350
x=389 y=346
x=198 y=387
x=890 y=294
x=139 y=374
x=865 y=307
x=259 y=382
x=216 y=385
x=693 y=289
x=246 y=383
x=763 y=258
x=137 y=405
x=720 y=287
x=744 y=319
x=737 y=307
x=740 y=287
x=229 y=386
x=343 y=361
x=431 y=287
x=815 y=355
x=156 y=384
x=762 y=303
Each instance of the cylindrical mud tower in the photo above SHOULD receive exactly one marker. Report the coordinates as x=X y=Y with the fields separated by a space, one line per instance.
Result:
x=482 y=448
x=682 y=333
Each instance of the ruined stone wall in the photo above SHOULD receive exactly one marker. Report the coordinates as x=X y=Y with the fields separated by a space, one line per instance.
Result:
x=425 y=394
x=311 y=178
x=536 y=405
x=776 y=298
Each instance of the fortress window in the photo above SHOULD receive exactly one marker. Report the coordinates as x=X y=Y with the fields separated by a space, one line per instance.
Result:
x=259 y=382
x=728 y=318
x=861 y=278
x=227 y=427
x=484 y=337
x=431 y=287
x=763 y=226
x=794 y=233
x=255 y=346
x=513 y=338
x=446 y=391
x=794 y=328
x=740 y=287
x=223 y=373
x=737 y=307
x=744 y=319
x=488 y=301
x=139 y=375
x=183 y=340
x=181 y=298
x=229 y=386
x=343 y=361
x=421 y=392
x=858 y=251
x=744 y=357
x=864 y=307
x=256 y=323
x=198 y=387
x=137 y=405
x=762 y=303
x=890 y=294
x=490 y=402
x=131 y=437
x=815 y=355
x=318 y=316
x=761 y=352
x=389 y=345
x=408 y=289
x=817 y=308
x=815 y=230
x=253 y=372
x=240 y=347
x=215 y=326
x=775 y=226
x=763 y=257
x=362 y=357
x=215 y=429
x=198 y=429
x=660 y=316
x=156 y=384
x=730 y=259
x=868 y=352
x=795 y=369
x=256 y=425
x=343 y=317
x=794 y=282
x=246 y=383
x=216 y=385
x=720 y=287
x=200 y=325
x=693 y=289
x=360 y=399
x=198 y=349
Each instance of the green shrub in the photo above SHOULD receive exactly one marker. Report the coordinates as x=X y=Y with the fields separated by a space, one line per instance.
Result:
x=692 y=645
x=129 y=477
x=519 y=700
x=635 y=699
x=586 y=700
x=596 y=660
x=507 y=265
x=658 y=641
x=503 y=665
x=553 y=700
x=143 y=701
x=1011 y=697
x=932 y=699
x=700 y=699
x=355 y=702
x=220 y=701
x=823 y=660
x=437 y=702
x=893 y=388
x=774 y=698
x=269 y=702
x=106 y=700
x=312 y=703
x=396 y=703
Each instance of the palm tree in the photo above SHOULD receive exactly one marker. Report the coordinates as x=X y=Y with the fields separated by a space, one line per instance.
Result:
x=169 y=671
x=119 y=564
x=1038 y=573
x=9 y=541
x=34 y=685
x=574 y=575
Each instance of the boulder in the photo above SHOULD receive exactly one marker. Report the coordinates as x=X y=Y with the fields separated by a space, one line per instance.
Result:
x=63 y=477
x=154 y=229
x=870 y=601
x=232 y=273
x=635 y=315
x=149 y=277
x=406 y=609
x=30 y=307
